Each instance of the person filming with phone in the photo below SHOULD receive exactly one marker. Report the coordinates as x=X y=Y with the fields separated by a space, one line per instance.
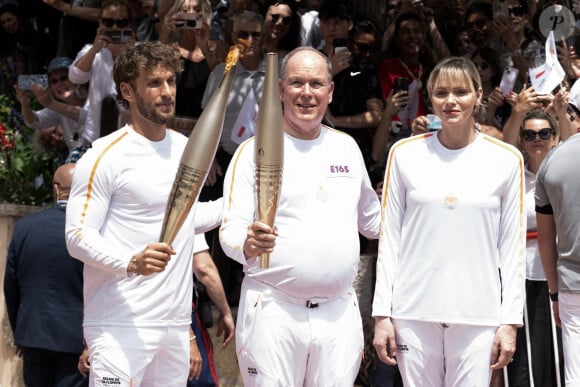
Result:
x=63 y=106
x=94 y=63
x=357 y=102
x=335 y=24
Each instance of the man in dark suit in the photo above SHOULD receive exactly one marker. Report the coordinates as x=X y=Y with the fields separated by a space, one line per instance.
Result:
x=43 y=286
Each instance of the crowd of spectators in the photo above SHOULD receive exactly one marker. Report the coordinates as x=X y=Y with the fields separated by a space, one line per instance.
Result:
x=80 y=40
x=415 y=36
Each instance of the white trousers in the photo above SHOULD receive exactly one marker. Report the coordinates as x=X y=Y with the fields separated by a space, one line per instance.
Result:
x=569 y=308
x=443 y=355
x=133 y=357
x=282 y=342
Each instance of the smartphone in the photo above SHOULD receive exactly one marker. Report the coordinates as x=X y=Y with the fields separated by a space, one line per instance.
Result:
x=500 y=8
x=190 y=21
x=340 y=44
x=119 y=36
x=508 y=80
x=25 y=81
x=401 y=84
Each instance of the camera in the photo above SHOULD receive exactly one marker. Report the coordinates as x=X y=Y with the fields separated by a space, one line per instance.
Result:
x=119 y=36
x=203 y=304
x=190 y=20
x=25 y=81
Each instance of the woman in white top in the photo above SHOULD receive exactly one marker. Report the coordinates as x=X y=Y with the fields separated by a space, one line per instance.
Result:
x=538 y=134
x=450 y=270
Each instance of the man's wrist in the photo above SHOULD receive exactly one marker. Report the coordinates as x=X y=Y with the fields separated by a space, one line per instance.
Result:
x=554 y=297
x=132 y=267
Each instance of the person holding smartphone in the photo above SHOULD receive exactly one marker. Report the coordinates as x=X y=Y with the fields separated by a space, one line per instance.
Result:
x=335 y=24
x=357 y=100
x=94 y=65
x=63 y=105
x=199 y=53
x=408 y=59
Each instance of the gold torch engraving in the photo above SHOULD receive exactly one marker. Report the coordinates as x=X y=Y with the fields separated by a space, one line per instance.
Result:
x=186 y=187
x=269 y=150
x=198 y=154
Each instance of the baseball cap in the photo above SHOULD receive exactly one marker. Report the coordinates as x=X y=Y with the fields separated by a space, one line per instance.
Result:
x=59 y=63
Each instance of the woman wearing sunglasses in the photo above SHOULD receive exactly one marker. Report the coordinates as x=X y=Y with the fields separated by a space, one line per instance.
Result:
x=94 y=65
x=282 y=26
x=535 y=132
x=63 y=106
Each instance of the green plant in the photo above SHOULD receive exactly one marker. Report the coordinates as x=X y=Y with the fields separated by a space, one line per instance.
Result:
x=25 y=172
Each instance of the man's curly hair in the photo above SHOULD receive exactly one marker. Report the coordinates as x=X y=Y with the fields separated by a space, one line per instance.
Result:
x=143 y=57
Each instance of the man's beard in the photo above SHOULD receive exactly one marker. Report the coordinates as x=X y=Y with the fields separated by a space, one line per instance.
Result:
x=152 y=114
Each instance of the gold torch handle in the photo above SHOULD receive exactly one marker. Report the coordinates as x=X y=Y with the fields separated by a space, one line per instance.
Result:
x=269 y=149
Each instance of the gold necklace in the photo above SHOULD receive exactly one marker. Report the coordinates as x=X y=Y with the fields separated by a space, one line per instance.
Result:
x=418 y=78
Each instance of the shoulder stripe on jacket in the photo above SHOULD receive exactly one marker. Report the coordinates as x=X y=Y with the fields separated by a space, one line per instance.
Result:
x=92 y=175
x=390 y=159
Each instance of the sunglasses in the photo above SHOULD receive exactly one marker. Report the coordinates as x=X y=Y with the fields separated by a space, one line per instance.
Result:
x=517 y=11
x=479 y=24
x=484 y=66
x=530 y=135
x=119 y=23
x=246 y=34
x=286 y=20
x=55 y=80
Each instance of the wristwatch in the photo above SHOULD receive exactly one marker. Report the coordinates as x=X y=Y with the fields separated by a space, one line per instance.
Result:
x=132 y=267
x=554 y=297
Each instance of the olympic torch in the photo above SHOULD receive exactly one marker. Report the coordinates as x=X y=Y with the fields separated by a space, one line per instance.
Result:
x=269 y=149
x=198 y=154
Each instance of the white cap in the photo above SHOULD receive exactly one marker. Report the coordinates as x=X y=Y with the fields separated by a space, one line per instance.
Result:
x=574 y=96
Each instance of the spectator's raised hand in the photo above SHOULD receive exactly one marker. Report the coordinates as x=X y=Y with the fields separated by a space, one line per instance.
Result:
x=560 y=102
x=505 y=30
x=495 y=99
x=101 y=40
x=528 y=99
x=568 y=60
x=22 y=96
x=340 y=60
x=43 y=95
x=396 y=102
x=419 y=125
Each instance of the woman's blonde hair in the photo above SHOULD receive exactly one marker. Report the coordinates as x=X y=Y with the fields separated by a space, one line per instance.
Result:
x=455 y=71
